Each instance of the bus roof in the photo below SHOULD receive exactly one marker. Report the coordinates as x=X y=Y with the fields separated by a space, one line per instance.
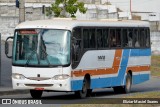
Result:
x=70 y=24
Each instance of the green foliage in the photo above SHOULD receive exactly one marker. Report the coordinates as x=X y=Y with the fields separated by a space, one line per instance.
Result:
x=69 y=6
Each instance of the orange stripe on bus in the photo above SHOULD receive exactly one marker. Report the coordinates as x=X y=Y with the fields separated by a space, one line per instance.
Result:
x=117 y=58
x=139 y=68
x=109 y=71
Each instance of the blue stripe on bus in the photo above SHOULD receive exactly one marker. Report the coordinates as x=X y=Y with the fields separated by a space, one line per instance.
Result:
x=140 y=52
x=76 y=85
x=123 y=66
x=136 y=79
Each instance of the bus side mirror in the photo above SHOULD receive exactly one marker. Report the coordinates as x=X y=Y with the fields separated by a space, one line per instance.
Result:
x=7 y=47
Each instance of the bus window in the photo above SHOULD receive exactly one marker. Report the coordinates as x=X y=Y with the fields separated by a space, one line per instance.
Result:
x=76 y=46
x=99 y=38
x=142 y=35
x=147 y=38
x=112 y=38
x=102 y=38
x=125 y=38
x=89 y=38
x=118 y=37
x=130 y=37
x=137 y=40
x=115 y=37
x=105 y=38
x=86 y=38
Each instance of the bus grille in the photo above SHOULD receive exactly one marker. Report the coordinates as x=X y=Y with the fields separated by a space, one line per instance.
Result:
x=38 y=78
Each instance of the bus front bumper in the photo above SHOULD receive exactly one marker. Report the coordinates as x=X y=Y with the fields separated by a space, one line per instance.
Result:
x=55 y=85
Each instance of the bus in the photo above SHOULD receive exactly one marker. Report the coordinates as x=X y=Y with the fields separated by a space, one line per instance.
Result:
x=68 y=55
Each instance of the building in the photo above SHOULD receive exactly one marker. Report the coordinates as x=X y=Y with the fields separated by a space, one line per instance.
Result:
x=96 y=9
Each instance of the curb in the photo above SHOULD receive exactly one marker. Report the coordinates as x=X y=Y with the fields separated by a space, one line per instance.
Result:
x=13 y=92
x=156 y=76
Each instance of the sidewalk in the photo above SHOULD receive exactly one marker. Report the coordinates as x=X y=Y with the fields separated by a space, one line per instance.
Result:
x=10 y=91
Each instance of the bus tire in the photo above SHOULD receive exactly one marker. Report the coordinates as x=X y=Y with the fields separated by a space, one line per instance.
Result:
x=127 y=87
x=36 y=94
x=82 y=93
x=124 y=89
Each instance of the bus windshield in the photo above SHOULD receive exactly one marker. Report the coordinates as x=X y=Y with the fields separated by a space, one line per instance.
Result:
x=41 y=47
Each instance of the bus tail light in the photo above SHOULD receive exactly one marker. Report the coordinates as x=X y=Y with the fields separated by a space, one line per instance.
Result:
x=39 y=88
x=61 y=77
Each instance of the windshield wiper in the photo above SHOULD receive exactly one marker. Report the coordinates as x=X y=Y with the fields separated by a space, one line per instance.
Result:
x=44 y=51
x=30 y=56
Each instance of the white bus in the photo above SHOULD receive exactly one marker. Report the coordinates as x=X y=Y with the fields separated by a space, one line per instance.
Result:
x=79 y=56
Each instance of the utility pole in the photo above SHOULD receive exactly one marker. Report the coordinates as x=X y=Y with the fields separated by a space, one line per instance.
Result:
x=131 y=8
x=21 y=11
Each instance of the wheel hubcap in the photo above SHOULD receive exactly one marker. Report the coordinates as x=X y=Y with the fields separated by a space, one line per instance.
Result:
x=128 y=84
x=84 y=88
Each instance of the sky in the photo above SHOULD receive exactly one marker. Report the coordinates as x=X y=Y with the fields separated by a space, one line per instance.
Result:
x=137 y=5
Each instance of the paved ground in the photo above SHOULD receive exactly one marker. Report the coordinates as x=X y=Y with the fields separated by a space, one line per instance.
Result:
x=5 y=70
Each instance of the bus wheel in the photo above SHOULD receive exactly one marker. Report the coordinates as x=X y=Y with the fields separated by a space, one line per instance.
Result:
x=124 y=89
x=82 y=93
x=36 y=94
x=127 y=87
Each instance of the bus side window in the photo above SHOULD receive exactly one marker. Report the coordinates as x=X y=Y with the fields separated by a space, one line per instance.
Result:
x=112 y=38
x=76 y=46
x=92 y=39
x=118 y=37
x=125 y=38
x=105 y=38
x=99 y=38
x=141 y=36
x=137 y=38
x=89 y=38
x=102 y=38
x=86 y=38
x=115 y=36
x=147 y=38
x=130 y=38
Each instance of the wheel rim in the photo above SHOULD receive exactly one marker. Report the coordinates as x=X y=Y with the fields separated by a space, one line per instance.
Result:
x=128 y=83
x=84 y=89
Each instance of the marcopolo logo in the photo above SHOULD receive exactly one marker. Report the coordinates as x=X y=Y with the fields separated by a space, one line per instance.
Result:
x=101 y=58
x=6 y=101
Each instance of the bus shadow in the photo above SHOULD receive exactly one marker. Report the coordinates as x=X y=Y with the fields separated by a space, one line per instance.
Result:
x=96 y=94
x=72 y=96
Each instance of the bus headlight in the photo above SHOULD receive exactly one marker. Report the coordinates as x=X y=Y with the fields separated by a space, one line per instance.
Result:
x=18 y=76
x=61 y=77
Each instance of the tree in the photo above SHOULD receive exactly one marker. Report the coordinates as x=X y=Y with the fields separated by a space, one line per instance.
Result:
x=60 y=7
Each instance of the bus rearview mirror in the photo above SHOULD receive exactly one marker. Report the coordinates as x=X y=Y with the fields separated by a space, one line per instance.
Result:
x=7 y=47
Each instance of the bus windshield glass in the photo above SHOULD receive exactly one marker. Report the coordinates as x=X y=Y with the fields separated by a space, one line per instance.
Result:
x=41 y=47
